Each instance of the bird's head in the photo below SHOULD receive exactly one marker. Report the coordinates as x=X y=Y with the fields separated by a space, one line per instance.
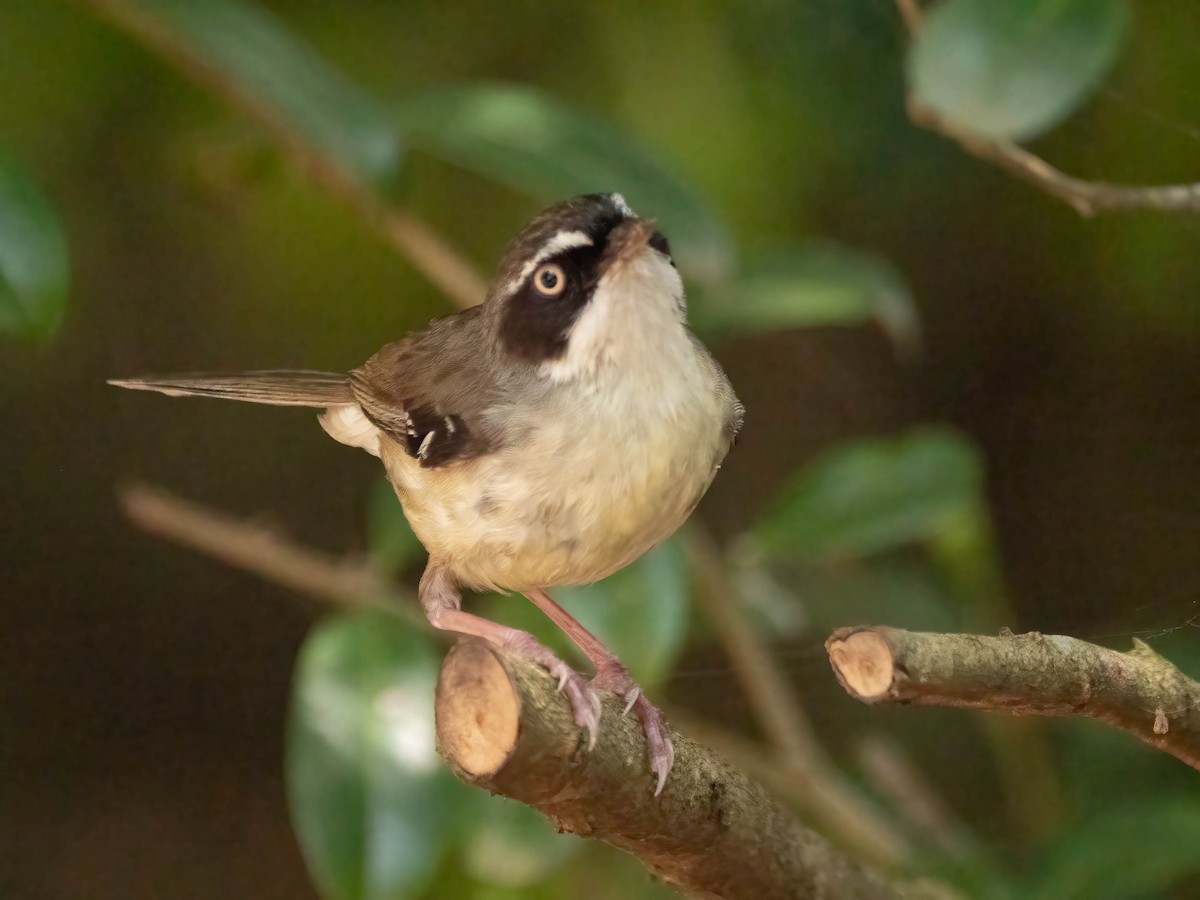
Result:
x=585 y=283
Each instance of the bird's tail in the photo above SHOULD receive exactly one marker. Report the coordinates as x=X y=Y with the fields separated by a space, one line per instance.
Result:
x=282 y=387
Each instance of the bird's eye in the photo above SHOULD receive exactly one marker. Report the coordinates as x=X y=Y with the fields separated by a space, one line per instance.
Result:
x=550 y=280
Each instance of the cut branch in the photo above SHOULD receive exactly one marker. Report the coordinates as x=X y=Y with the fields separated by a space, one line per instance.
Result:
x=1025 y=675
x=503 y=726
x=1088 y=197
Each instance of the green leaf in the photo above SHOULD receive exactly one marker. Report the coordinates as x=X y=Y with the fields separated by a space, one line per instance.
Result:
x=512 y=845
x=812 y=284
x=34 y=269
x=877 y=494
x=390 y=538
x=367 y=792
x=879 y=590
x=1011 y=69
x=286 y=78
x=528 y=141
x=1135 y=851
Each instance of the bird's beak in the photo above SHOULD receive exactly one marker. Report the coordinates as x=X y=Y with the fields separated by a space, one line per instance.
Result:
x=626 y=241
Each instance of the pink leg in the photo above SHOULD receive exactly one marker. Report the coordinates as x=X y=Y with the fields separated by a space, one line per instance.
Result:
x=441 y=602
x=612 y=676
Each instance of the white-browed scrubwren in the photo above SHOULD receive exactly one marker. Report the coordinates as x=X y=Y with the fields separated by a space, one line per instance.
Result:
x=549 y=436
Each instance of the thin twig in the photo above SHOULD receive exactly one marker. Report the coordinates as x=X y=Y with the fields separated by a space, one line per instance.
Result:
x=261 y=550
x=772 y=697
x=888 y=769
x=416 y=241
x=1087 y=197
x=849 y=817
x=1025 y=675
x=910 y=12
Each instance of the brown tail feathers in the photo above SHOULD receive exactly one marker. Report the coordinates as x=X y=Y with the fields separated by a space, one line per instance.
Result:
x=282 y=387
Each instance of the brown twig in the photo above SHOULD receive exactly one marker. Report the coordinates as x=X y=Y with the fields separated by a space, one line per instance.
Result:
x=1025 y=675
x=503 y=725
x=847 y=815
x=910 y=12
x=1087 y=197
x=886 y=766
x=260 y=550
x=415 y=240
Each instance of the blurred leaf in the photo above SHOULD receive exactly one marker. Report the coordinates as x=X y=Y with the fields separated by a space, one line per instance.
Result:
x=774 y=608
x=390 y=538
x=1135 y=851
x=512 y=845
x=811 y=284
x=529 y=141
x=286 y=78
x=877 y=494
x=369 y=798
x=1011 y=70
x=34 y=269
x=640 y=613
x=900 y=591
x=975 y=874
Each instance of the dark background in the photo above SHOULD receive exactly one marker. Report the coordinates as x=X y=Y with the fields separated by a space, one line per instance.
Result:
x=143 y=687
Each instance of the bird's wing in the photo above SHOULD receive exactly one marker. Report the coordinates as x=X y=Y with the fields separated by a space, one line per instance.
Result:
x=429 y=392
x=279 y=387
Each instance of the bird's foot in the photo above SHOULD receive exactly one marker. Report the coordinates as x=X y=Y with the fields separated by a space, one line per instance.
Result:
x=585 y=702
x=612 y=676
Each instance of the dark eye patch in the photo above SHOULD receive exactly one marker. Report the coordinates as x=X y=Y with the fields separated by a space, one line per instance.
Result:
x=534 y=327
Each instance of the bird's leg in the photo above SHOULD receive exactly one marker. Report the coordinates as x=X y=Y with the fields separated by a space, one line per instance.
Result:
x=443 y=607
x=612 y=676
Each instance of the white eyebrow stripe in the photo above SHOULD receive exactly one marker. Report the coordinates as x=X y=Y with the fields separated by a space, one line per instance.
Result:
x=564 y=240
x=621 y=205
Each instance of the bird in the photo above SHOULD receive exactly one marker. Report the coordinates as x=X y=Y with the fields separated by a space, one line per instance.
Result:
x=549 y=436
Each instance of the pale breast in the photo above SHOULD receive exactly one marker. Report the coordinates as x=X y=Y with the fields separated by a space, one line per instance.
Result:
x=589 y=481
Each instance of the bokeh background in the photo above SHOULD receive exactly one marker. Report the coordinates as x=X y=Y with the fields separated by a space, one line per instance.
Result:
x=938 y=307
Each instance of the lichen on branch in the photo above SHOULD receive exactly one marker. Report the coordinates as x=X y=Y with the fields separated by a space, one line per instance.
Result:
x=1028 y=674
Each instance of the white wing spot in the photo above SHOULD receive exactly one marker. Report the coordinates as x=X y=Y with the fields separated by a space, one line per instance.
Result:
x=425 y=444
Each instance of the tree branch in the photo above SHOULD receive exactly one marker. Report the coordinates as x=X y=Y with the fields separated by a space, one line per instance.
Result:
x=430 y=254
x=1088 y=197
x=503 y=725
x=1025 y=675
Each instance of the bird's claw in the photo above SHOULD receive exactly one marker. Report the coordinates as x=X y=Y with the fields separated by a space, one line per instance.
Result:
x=585 y=702
x=614 y=677
x=658 y=737
x=632 y=698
